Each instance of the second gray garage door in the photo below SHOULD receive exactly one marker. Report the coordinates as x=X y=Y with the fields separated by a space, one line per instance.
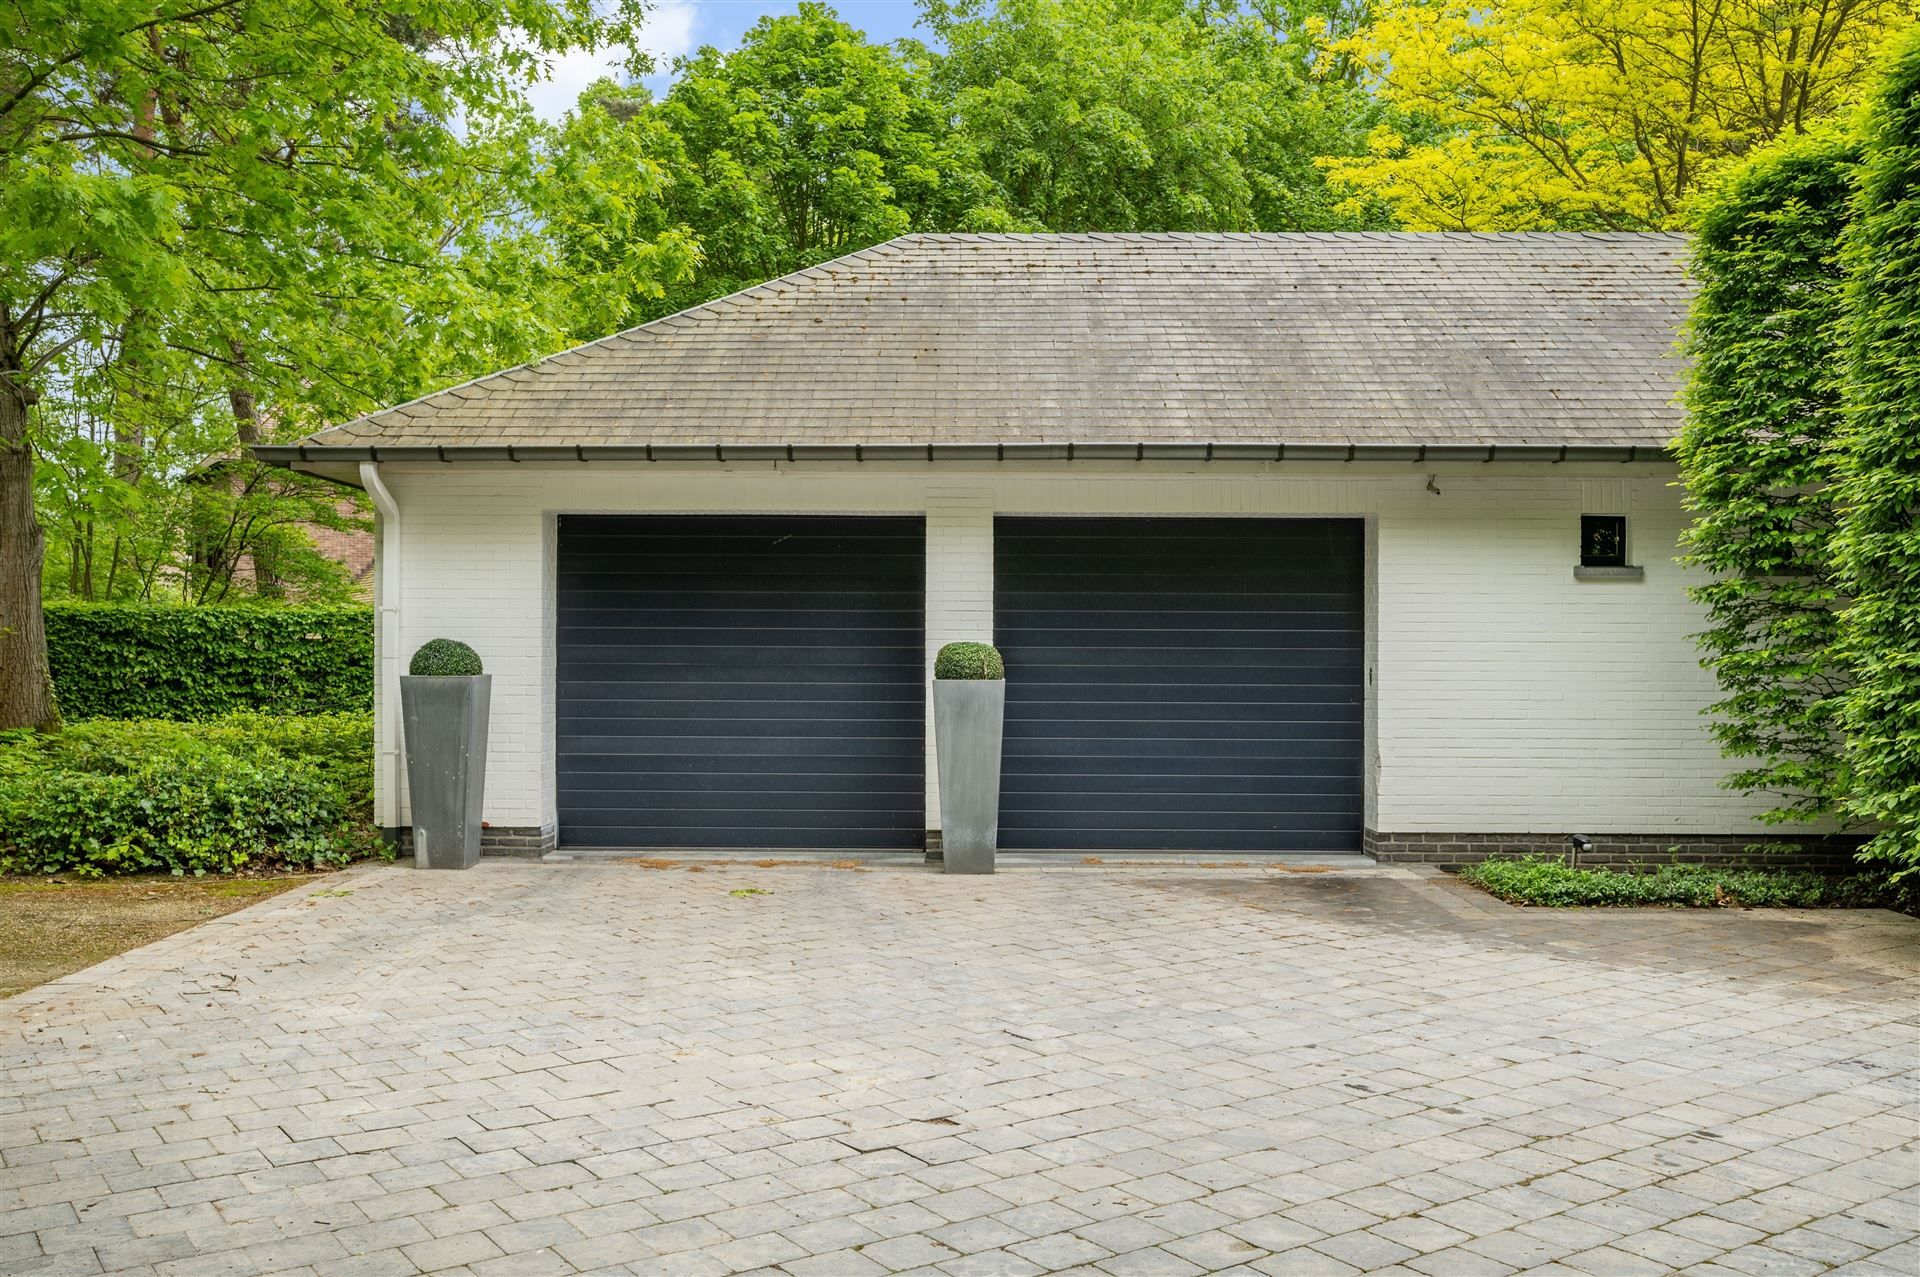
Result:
x=1181 y=684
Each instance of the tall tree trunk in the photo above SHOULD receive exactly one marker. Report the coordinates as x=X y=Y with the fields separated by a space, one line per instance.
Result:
x=26 y=685
x=246 y=413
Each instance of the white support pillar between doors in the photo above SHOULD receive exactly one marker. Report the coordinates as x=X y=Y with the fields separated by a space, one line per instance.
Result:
x=959 y=590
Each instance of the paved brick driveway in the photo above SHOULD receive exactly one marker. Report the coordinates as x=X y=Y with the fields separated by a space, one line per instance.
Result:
x=531 y=1069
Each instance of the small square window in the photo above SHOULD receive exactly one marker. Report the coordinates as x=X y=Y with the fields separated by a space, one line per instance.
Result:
x=1603 y=540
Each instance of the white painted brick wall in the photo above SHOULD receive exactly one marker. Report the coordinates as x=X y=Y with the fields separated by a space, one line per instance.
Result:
x=1506 y=696
x=959 y=588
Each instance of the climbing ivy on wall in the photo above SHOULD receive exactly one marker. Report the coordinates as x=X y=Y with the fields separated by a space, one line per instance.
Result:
x=1879 y=540
x=1756 y=455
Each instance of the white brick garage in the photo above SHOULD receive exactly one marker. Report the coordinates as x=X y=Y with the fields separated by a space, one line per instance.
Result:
x=1502 y=695
x=1466 y=399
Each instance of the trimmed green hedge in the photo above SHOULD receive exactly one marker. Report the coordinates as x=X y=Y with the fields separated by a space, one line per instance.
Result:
x=1541 y=881
x=114 y=660
x=969 y=661
x=142 y=796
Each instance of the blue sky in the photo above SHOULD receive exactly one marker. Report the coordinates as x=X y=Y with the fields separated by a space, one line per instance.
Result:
x=676 y=27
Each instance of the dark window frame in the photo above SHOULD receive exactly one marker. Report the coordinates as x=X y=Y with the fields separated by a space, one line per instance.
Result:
x=1598 y=530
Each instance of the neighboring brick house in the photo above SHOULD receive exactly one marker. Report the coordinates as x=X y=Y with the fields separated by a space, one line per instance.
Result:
x=351 y=548
x=1291 y=542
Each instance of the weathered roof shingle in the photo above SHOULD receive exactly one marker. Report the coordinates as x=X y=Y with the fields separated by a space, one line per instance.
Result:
x=1369 y=339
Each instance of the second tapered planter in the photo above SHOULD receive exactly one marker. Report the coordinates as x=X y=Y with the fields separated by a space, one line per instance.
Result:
x=968 y=716
x=445 y=720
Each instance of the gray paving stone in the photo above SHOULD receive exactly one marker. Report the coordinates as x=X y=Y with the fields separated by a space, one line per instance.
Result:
x=1144 y=1070
x=989 y=1263
x=1058 y=1252
x=1152 y=1261
x=837 y=1263
x=450 y=1251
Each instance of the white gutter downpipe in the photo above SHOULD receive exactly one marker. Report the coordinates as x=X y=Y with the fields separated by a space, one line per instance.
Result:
x=387 y=760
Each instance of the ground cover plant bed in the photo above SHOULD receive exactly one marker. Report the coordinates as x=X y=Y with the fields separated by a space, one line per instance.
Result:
x=149 y=795
x=52 y=926
x=1540 y=880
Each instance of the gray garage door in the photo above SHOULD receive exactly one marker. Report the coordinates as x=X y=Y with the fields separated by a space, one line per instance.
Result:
x=1180 y=684
x=741 y=682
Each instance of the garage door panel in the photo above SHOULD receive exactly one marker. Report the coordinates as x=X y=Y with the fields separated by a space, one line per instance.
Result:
x=741 y=681
x=1033 y=786
x=1172 y=821
x=813 y=720
x=1201 y=757
x=1249 y=666
x=1329 y=626
x=686 y=805
x=1066 y=649
x=773 y=656
x=1288 y=686
x=1181 y=684
x=752 y=742
x=618 y=614
x=663 y=838
x=614 y=770
x=1077 y=718
x=659 y=712
x=1309 y=799
x=713 y=577
x=1223 y=843
x=697 y=679
x=606 y=774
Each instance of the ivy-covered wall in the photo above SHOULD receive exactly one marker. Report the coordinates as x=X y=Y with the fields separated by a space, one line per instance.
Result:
x=145 y=661
x=1879 y=539
x=1801 y=457
x=1763 y=410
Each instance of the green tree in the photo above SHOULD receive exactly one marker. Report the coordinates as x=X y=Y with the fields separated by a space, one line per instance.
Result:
x=591 y=233
x=1879 y=540
x=1149 y=115
x=804 y=143
x=238 y=200
x=1756 y=456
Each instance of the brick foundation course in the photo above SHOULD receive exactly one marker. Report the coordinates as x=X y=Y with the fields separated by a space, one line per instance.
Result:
x=524 y=842
x=1828 y=853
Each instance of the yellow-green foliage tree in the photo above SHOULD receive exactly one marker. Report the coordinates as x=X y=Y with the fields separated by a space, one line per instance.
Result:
x=1594 y=114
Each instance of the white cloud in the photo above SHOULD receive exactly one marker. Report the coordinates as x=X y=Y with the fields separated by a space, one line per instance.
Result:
x=667 y=33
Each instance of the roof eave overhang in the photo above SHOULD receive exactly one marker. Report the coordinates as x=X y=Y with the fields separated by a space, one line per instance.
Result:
x=294 y=456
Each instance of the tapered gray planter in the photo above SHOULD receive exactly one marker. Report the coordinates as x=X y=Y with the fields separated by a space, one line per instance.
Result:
x=967 y=718
x=446 y=737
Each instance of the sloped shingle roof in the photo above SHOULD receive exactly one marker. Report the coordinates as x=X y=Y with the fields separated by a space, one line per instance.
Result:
x=1368 y=339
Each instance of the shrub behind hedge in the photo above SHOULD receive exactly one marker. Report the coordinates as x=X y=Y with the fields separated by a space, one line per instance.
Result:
x=210 y=797
x=150 y=661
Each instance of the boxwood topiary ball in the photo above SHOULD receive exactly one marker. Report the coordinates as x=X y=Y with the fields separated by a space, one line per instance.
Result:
x=445 y=658
x=969 y=661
